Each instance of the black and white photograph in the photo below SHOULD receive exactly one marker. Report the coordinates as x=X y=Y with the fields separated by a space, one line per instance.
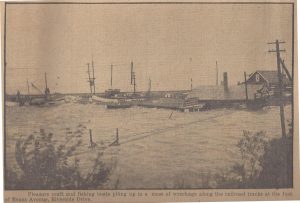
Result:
x=149 y=96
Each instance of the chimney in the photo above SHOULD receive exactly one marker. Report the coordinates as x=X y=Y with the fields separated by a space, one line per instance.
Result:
x=225 y=81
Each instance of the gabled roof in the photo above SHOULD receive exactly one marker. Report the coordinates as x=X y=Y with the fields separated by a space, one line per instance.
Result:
x=270 y=76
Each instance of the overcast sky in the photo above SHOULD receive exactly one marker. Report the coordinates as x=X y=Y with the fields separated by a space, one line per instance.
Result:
x=168 y=43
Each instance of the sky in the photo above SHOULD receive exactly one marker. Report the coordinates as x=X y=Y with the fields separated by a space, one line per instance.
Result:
x=168 y=43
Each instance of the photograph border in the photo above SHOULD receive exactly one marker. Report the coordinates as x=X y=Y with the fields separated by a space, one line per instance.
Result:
x=146 y=3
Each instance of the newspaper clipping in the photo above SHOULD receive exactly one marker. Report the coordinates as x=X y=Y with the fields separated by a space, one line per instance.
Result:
x=150 y=101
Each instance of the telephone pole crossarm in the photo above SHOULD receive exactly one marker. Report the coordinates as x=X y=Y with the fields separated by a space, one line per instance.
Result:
x=281 y=50
x=279 y=42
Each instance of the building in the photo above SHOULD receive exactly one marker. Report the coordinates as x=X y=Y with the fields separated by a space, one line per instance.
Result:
x=225 y=93
x=268 y=77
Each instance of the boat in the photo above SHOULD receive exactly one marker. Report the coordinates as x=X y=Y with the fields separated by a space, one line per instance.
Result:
x=113 y=98
x=104 y=100
x=112 y=103
x=118 y=105
x=44 y=99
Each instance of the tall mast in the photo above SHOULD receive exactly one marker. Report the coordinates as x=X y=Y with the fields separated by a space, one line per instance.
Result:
x=149 y=85
x=217 y=74
x=46 y=80
x=93 y=75
x=27 y=86
x=132 y=77
x=134 y=84
x=47 y=91
x=90 y=81
x=149 y=88
x=131 y=73
x=111 y=74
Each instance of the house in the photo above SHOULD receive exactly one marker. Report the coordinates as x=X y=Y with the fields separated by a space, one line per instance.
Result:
x=218 y=93
x=268 y=77
x=225 y=93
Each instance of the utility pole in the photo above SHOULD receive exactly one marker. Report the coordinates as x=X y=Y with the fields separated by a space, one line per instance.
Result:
x=111 y=74
x=280 y=85
x=286 y=70
x=93 y=75
x=27 y=87
x=191 y=84
x=90 y=81
x=46 y=81
x=246 y=88
x=217 y=74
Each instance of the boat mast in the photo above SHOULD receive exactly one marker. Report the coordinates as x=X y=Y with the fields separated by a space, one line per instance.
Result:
x=111 y=74
x=133 y=78
x=27 y=87
x=90 y=81
x=134 y=84
x=47 y=91
x=217 y=74
x=46 y=81
x=149 y=87
x=131 y=72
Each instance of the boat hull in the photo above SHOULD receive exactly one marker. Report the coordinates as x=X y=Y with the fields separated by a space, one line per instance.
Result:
x=117 y=106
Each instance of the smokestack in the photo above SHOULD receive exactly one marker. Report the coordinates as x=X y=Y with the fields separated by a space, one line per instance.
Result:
x=225 y=81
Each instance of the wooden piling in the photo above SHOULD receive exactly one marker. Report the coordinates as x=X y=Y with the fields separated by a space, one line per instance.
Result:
x=171 y=115
x=91 y=138
x=117 y=136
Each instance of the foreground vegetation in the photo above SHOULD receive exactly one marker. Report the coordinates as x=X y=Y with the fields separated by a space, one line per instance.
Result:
x=265 y=164
x=44 y=165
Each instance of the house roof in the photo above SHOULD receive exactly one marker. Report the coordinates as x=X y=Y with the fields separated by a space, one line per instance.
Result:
x=270 y=76
x=217 y=92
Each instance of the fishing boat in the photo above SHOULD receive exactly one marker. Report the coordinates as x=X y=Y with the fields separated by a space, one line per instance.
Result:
x=112 y=98
x=104 y=100
x=111 y=103
x=45 y=99
x=118 y=105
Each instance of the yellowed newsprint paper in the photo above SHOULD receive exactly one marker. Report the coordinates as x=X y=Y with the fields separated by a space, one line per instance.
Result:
x=150 y=101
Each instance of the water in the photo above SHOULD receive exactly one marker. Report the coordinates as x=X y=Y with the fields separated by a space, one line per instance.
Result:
x=155 y=151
